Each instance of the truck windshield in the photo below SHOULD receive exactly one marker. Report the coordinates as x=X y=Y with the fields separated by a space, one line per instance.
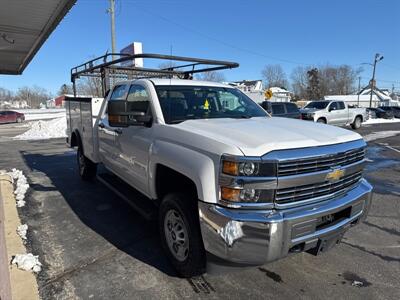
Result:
x=317 y=104
x=181 y=103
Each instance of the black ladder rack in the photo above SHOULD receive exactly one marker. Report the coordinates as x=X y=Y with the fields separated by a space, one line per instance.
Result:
x=109 y=69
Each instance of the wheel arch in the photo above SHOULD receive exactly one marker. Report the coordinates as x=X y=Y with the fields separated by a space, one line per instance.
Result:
x=185 y=164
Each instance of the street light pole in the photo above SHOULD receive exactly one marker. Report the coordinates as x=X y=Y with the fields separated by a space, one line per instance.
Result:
x=111 y=10
x=378 y=57
x=358 y=92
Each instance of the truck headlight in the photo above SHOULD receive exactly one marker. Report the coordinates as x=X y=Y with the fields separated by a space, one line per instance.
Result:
x=240 y=195
x=242 y=181
x=247 y=168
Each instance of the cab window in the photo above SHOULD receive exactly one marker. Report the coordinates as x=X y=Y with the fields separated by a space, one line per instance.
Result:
x=138 y=99
x=333 y=106
x=341 y=105
x=291 y=108
x=278 y=109
x=119 y=92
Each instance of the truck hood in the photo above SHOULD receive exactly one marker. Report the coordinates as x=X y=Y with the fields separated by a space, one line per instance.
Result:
x=258 y=136
x=309 y=110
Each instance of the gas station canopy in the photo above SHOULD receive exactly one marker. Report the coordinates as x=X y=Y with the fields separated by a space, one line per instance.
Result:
x=24 y=27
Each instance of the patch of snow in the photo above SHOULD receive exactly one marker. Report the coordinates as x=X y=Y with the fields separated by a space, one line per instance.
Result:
x=22 y=230
x=357 y=283
x=22 y=186
x=380 y=135
x=43 y=130
x=55 y=115
x=27 y=262
x=381 y=121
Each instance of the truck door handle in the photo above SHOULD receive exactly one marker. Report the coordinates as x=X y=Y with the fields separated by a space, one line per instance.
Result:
x=101 y=125
x=118 y=131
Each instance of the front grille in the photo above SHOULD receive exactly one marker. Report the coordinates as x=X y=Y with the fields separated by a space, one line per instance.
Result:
x=319 y=163
x=309 y=191
x=306 y=116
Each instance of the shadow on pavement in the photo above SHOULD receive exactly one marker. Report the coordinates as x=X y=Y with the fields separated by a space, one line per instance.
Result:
x=97 y=208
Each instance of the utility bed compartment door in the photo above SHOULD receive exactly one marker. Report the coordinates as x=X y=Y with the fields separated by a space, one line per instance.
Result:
x=84 y=115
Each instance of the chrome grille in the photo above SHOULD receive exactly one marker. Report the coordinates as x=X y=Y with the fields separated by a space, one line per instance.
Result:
x=319 y=163
x=309 y=191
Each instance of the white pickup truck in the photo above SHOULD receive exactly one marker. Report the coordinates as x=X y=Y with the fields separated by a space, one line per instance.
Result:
x=231 y=185
x=334 y=113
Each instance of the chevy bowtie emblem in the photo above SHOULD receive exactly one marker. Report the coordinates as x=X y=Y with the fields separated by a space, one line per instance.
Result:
x=335 y=175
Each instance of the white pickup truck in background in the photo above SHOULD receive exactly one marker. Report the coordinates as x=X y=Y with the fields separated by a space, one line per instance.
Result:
x=229 y=184
x=334 y=113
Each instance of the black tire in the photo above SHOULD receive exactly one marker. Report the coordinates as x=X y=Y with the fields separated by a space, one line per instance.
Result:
x=186 y=206
x=357 y=123
x=19 y=120
x=87 y=169
x=321 y=120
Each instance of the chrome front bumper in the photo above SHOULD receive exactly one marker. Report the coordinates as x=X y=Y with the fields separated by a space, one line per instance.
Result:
x=256 y=237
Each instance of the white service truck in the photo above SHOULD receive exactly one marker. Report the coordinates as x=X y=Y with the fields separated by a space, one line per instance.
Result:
x=334 y=113
x=230 y=184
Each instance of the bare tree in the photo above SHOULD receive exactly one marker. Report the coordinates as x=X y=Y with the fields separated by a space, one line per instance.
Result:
x=274 y=75
x=34 y=96
x=211 y=76
x=5 y=94
x=299 y=80
x=65 y=89
x=89 y=86
x=313 y=87
x=338 y=80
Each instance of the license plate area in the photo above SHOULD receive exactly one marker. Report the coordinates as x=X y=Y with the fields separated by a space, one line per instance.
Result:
x=332 y=219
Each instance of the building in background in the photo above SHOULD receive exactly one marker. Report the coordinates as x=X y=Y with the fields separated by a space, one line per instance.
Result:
x=280 y=95
x=379 y=98
x=256 y=91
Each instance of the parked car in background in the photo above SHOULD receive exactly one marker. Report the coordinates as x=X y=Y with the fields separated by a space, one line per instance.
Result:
x=394 y=110
x=334 y=113
x=10 y=116
x=376 y=112
x=282 y=109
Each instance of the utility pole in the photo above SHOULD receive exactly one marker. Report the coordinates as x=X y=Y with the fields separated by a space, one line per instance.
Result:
x=378 y=57
x=358 y=92
x=111 y=10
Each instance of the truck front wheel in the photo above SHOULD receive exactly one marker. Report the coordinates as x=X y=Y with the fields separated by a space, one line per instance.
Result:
x=357 y=123
x=180 y=234
x=87 y=168
x=321 y=120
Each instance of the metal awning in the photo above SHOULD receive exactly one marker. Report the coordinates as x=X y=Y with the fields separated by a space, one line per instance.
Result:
x=24 y=27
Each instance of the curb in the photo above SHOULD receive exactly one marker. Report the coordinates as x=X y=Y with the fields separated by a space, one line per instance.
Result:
x=18 y=284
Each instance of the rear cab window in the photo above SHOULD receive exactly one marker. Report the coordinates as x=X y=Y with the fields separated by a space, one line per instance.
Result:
x=292 y=108
x=278 y=109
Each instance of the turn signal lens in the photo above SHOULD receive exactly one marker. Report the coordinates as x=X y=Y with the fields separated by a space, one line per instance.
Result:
x=230 y=167
x=230 y=194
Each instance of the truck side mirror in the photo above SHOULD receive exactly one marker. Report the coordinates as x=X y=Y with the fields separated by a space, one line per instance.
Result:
x=119 y=115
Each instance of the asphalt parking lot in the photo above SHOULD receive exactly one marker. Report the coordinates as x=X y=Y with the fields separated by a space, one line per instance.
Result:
x=94 y=246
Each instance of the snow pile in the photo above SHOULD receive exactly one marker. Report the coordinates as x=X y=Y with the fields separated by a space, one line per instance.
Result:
x=27 y=262
x=381 y=121
x=22 y=186
x=42 y=130
x=22 y=230
x=42 y=114
x=380 y=135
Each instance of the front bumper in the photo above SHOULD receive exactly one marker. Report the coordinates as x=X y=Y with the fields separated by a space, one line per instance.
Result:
x=256 y=237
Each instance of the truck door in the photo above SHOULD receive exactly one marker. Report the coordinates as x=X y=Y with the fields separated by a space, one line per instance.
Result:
x=344 y=113
x=107 y=133
x=334 y=116
x=133 y=142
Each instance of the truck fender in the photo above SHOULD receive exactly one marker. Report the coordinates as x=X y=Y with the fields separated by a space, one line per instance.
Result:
x=196 y=166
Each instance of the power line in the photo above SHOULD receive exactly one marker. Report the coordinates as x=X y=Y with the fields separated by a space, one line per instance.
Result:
x=218 y=40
